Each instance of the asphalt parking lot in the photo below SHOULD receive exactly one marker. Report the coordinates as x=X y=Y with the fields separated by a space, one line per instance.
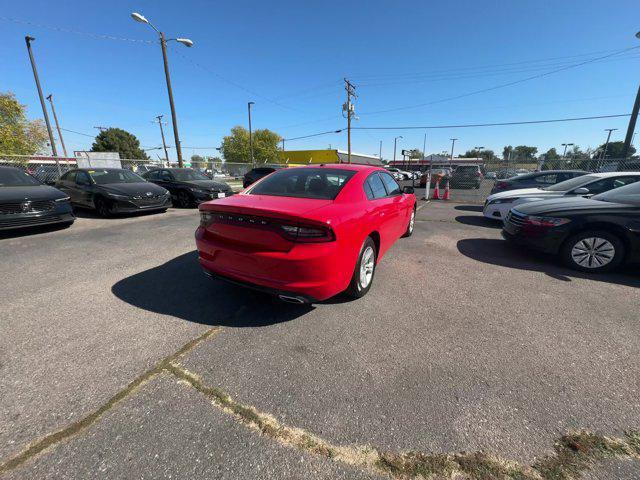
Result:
x=118 y=358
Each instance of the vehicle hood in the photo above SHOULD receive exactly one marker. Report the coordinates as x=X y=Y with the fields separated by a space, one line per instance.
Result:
x=208 y=185
x=524 y=192
x=573 y=204
x=35 y=192
x=132 y=189
x=266 y=205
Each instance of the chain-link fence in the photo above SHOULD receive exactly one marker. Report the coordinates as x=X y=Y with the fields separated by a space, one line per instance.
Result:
x=473 y=183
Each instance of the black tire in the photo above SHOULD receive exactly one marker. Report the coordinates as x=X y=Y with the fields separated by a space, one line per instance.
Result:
x=184 y=199
x=409 y=231
x=591 y=248
x=102 y=207
x=356 y=289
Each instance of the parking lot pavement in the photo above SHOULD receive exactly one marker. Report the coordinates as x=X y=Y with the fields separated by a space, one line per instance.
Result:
x=464 y=343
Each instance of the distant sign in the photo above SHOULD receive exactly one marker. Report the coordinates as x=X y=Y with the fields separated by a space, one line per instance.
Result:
x=98 y=159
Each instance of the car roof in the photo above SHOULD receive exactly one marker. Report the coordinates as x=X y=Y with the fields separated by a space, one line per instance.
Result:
x=6 y=167
x=613 y=174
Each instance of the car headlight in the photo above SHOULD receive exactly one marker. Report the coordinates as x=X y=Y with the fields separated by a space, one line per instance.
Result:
x=63 y=199
x=546 y=221
x=503 y=200
x=118 y=197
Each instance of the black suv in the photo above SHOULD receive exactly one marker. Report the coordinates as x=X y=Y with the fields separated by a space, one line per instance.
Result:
x=256 y=174
x=468 y=176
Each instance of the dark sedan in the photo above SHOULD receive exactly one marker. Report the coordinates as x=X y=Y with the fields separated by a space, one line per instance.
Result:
x=113 y=190
x=25 y=202
x=188 y=187
x=594 y=234
x=542 y=179
x=256 y=174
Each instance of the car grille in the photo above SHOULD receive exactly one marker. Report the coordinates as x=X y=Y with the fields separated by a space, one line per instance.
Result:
x=8 y=222
x=27 y=207
x=515 y=218
x=148 y=201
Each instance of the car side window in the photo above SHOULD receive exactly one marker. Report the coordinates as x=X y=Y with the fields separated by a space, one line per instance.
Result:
x=152 y=175
x=82 y=178
x=69 y=177
x=548 y=179
x=166 y=176
x=390 y=184
x=376 y=187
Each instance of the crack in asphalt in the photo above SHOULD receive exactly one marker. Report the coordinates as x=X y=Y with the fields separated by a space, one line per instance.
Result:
x=574 y=453
x=75 y=428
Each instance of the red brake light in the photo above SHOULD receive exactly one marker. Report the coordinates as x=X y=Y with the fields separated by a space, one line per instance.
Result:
x=308 y=234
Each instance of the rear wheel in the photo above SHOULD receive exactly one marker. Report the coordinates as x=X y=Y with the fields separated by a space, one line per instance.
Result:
x=365 y=269
x=412 y=222
x=593 y=251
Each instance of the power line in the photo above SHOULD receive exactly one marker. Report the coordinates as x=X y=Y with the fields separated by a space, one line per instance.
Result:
x=503 y=85
x=470 y=125
x=75 y=32
x=78 y=133
x=313 y=135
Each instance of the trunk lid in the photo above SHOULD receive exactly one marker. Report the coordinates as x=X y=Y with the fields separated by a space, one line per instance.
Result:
x=252 y=222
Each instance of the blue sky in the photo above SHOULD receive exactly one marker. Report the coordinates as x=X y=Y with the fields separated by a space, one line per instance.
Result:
x=290 y=57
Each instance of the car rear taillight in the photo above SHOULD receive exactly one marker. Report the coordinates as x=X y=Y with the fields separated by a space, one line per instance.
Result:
x=308 y=234
x=501 y=185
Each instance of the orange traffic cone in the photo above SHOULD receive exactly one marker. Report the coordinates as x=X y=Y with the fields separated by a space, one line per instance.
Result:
x=436 y=191
x=447 y=193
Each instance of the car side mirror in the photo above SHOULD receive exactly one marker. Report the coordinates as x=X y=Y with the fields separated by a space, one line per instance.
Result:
x=581 y=191
x=408 y=189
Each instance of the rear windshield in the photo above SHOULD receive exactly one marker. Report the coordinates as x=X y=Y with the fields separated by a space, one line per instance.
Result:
x=188 y=175
x=467 y=169
x=572 y=183
x=321 y=183
x=13 y=177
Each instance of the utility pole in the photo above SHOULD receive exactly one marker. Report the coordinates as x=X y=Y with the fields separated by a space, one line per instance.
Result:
x=55 y=119
x=28 y=40
x=565 y=145
x=174 y=117
x=350 y=110
x=606 y=144
x=250 y=133
x=453 y=142
x=395 y=142
x=283 y=144
x=164 y=144
x=632 y=124
x=380 y=150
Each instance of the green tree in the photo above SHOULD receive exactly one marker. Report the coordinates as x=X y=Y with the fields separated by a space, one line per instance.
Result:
x=235 y=147
x=487 y=155
x=19 y=136
x=198 y=161
x=614 y=150
x=507 y=152
x=523 y=153
x=121 y=141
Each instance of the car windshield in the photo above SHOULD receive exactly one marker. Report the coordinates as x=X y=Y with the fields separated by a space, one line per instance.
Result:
x=188 y=175
x=13 y=177
x=105 y=177
x=629 y=194
x=320 y=183
x=466 y=169
x=571 y=184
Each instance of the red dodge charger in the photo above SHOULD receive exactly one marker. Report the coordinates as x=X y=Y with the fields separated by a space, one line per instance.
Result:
x=307 y=233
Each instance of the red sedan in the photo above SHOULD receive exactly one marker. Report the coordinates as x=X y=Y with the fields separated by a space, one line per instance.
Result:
x=307 y=233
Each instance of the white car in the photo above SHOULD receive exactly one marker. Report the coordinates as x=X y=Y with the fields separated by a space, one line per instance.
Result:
x=498 y=205
x=399 y=174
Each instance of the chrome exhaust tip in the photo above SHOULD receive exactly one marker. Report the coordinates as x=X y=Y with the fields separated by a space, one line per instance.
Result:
x=289 y=299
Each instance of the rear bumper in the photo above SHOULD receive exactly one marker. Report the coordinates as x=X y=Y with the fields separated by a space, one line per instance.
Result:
x=207 y=197
x=313 y=271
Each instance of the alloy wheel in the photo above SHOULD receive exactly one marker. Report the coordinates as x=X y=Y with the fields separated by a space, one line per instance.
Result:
x=412 y=220
x=367 y=265
x=593 y=252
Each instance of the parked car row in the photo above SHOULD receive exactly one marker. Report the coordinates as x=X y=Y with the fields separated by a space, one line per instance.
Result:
x=464 y=176
x=592 y=221
x=25 y=201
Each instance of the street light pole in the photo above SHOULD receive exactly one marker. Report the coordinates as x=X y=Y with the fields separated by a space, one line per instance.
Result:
x=250 y=133
x=28 y=40
x=632 y=122
x=163 y=42
x=55 y=119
